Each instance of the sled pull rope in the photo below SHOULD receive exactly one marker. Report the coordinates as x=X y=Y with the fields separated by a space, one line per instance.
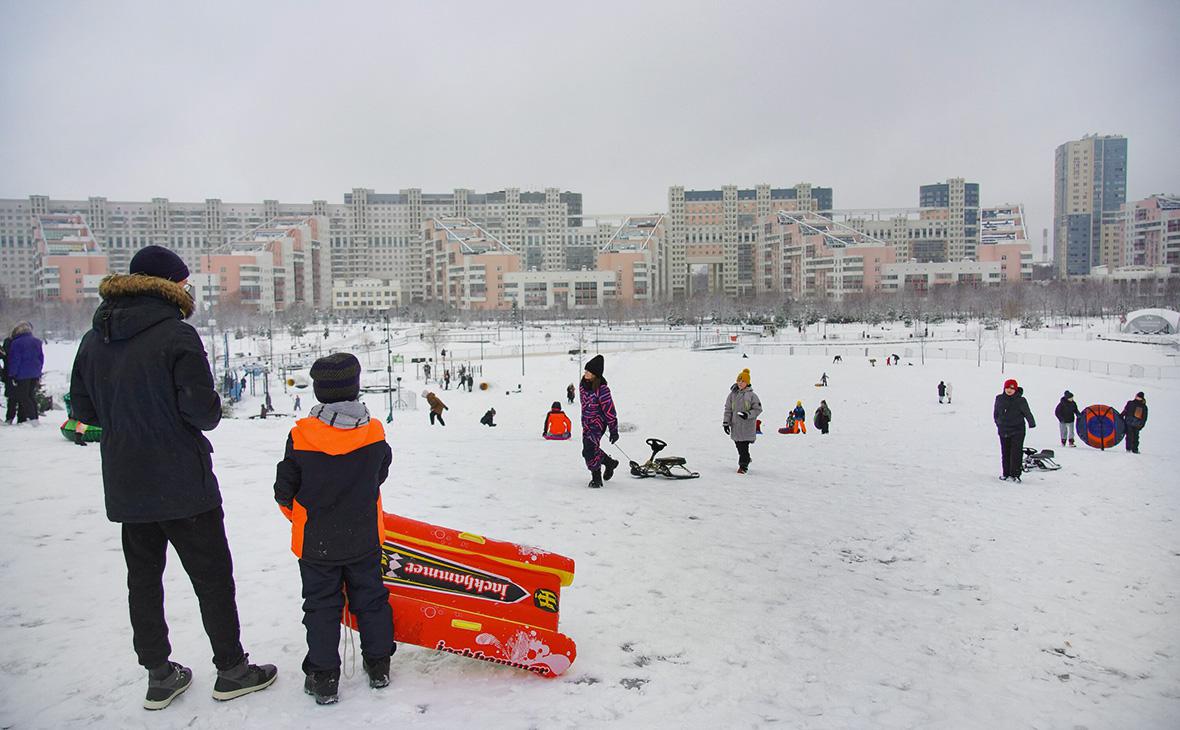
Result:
x=349 y=658
x=624 y=453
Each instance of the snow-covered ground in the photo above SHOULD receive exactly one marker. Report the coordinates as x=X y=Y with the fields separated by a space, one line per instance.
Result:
x=877 y=577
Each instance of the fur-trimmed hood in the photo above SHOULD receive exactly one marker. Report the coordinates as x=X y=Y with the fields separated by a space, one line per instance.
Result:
x=133 y=302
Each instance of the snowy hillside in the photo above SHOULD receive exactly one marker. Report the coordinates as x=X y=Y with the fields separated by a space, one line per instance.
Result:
x=880 y=576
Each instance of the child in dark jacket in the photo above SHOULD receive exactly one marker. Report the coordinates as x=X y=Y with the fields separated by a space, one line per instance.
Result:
x=329 y=485
x=489 y=418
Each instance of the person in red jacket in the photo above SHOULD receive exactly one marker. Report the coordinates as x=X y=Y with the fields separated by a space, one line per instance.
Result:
x=329 y=486
x=557 y=424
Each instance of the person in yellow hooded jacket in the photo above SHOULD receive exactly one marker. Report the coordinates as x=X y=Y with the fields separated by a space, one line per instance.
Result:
x=329 y=485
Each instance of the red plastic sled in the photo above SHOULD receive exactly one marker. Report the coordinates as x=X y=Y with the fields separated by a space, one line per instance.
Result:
x=469 y=595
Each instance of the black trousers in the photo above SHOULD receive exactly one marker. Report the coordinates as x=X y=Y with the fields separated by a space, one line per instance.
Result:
x=10 y=396
x=26 y=404
x=743 y=448
x=1133 y=439
x=434 y=415
x=1012 y=454
x=324 y=589
x=204 y=552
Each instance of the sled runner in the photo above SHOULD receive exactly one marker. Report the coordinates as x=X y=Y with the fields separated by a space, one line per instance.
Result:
x=1040 y=460
x=670 y=467
x=476 y=597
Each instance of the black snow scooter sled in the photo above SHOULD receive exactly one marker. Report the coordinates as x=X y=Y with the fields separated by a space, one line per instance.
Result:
x=1040 y=460
x=670 y=467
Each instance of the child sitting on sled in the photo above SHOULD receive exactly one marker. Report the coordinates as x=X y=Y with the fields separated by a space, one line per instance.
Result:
x=795 y=420
x=557 y=424
x=329 y=485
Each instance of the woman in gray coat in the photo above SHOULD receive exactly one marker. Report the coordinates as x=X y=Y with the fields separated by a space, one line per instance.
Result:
x=740 y=419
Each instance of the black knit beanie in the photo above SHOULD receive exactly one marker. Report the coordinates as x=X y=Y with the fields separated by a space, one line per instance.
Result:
x=336 y=378
x=596 y=365
x=159 y=261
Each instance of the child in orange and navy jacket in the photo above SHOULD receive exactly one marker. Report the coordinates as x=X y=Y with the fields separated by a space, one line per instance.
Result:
x=329 y=485
x=557 y=424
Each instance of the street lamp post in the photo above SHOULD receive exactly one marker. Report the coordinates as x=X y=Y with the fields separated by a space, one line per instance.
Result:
x=389 y=370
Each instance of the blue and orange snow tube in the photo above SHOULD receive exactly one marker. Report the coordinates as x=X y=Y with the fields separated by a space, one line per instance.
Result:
x=1101 y=426
x=469 y=595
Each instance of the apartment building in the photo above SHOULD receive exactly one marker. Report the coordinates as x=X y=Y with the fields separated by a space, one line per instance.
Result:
x=69 y=263
x=718 y=230
x=956 y=202
x=1089 y=190
x=1149 y=233
x=277 y=266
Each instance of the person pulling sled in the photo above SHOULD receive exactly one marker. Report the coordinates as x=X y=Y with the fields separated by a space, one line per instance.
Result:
x=598 y=417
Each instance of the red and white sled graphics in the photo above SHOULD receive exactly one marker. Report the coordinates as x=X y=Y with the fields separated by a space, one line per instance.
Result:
x=469 y=595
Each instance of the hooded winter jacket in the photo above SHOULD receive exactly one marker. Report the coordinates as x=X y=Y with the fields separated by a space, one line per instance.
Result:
x=742 y=400
x=1066 y=410
x=556 y=424
x=329 y=485
x=25 y=356
x=141 y=374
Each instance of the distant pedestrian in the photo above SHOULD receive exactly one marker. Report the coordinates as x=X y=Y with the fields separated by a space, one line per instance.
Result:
x=436 y=408
x=823 y=416
x=1135 y=418
x=1067 y=415
x=470 y=382
x=23 y=364
x=823 y=379
x=949 y=389
x=426 y=371
x=740 y=418
x=447 y=379
x=837 y=359
x=1010 y=413
x=941 y=391
x=298 y=406
x=569 y=393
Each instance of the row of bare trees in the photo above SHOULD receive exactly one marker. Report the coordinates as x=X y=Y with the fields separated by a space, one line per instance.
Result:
x=1035 y=303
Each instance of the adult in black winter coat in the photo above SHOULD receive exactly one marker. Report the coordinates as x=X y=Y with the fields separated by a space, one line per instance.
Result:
x=1066 y=413
x=1135 y=418
x=141 y=374
x=1010 y=414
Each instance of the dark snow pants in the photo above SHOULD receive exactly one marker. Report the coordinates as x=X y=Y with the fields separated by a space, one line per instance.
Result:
x=26 y=401
x=1133 y=439
x=204 y=552
x=434 y=415
x=743 y=448
x=324 y=588
x=1012 y=453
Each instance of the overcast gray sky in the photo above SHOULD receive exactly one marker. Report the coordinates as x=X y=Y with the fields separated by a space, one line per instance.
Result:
x=618 y=100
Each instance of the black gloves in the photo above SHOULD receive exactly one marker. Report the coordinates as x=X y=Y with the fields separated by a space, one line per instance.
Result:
x=725 y=427
x=614 y=436
x=743 y=415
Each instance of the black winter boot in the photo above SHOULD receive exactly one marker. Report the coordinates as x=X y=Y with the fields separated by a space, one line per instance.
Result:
x=166 y=683
x=324 y=686
x=595 y=479
x=378 y=671
x=243 y=679
x=609 y=471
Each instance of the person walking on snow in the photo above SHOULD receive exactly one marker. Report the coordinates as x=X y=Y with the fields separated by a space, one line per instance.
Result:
x=447 y=379
x=598 y=416
x=1135 y=418
x=1067 y=414
x=142 y=375
x=23 y=364
x=569 y=393
x=823 y=379
x=436 y=408
x=948 y=391
x=1010 y=413
x=740 y=417
x=329 y=486
x=823 y=416
x=941 y=391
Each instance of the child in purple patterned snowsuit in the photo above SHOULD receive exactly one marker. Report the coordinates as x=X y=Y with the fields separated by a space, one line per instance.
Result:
x=598 y=416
